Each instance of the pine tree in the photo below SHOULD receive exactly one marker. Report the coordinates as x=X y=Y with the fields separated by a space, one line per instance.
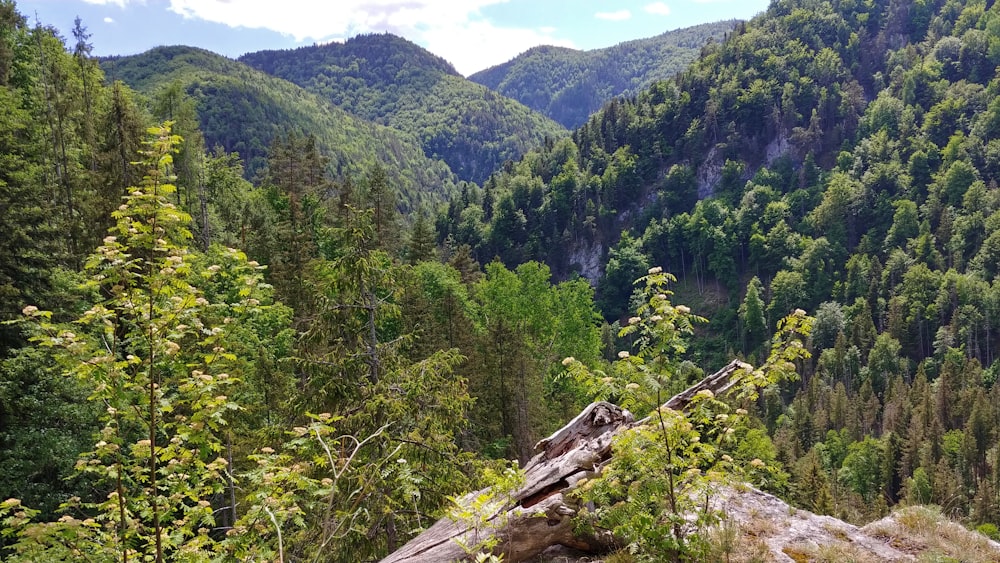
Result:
x=175 y=105
x=296 y=180
x=813 y=486
x=421 y=245
x=380 y=198
x=120 y=131
x=32 y=245
x=752 y=316
x=462 y=260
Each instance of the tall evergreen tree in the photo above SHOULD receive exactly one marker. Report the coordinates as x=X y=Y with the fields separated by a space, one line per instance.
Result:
x=421 y=246
x=296 y=181
x=752 y=316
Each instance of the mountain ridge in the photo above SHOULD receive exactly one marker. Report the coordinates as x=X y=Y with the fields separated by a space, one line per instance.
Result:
x=268 y=106
x=569 y=85
x=392 y=81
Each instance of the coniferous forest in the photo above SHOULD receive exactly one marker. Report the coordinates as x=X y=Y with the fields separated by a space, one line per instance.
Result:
x=245 y=319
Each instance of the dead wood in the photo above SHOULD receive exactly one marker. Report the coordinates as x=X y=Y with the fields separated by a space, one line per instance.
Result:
x=540 y=514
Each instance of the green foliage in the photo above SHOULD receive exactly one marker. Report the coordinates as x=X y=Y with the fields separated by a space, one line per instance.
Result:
x=478 y=511
x=62 y=137
x=528 y=324
x=185 y=355
x=626 y=263
x=639 y=509
x=154 y=353
x=989 y=530
x=752 y=315
x=788 y=351
x=339 y=486
x=295 y=184
x=55 y=151
x=43 y=413
x=664 y=473
x=842 y=154
x=659 y=334
x=862 y=469
x=395 y=406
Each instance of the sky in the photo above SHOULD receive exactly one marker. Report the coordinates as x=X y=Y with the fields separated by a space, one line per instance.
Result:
x=472 y=34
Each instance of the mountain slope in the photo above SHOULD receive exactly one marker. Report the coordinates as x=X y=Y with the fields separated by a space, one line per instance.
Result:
x=389 y=80
x=838 y=157
x=568 y=85
x=243 y=109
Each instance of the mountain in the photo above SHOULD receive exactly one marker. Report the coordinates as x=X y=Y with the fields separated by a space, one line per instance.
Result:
x=568 y=85
x=836 y=157
x=391 y=81
x=243 y=109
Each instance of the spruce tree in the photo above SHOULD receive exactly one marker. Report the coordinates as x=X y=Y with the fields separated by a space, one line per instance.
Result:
x=421 y=245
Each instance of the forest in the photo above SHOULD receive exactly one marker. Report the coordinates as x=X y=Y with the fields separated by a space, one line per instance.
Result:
x=315 y=358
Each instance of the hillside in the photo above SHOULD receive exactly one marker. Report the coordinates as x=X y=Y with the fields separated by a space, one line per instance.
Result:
x=841 y=158
x=391 y=81
x=568 y=84
x=243 y=110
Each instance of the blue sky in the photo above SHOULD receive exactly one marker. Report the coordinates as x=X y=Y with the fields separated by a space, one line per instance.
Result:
x=471 y=34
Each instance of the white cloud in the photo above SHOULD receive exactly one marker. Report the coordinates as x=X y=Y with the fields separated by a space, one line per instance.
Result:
x=618 y=16
x=109 y=20
x=479 y=45
x=453 y=29
x=658 y=8
x=119 y=3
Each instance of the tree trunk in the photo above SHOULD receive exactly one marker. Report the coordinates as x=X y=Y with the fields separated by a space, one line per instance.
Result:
x=540 y=514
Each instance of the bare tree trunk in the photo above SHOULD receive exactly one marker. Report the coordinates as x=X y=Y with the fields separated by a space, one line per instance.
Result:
x=206 y=229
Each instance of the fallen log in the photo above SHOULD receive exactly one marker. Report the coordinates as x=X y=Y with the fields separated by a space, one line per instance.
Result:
x=540 y=513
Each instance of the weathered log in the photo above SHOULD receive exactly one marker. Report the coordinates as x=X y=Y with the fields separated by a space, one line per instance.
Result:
x=540 y=514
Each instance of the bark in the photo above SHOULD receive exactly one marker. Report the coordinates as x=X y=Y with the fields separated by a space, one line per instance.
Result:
x=540 y=514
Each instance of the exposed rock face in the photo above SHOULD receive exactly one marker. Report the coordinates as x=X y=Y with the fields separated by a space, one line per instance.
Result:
x=587 y=256
x=925 y=532
x=792 y=535
x=777 y=532
x=768 y=529
x=777 y=148
x=709 y=174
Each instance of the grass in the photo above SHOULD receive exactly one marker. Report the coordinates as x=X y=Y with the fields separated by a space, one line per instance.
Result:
x=932 y=537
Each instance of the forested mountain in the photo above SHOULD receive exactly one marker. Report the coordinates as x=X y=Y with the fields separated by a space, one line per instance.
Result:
x=244 y=110
x=569 y=85
x=839 y=157
x=391 y=81
x=198 y=366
